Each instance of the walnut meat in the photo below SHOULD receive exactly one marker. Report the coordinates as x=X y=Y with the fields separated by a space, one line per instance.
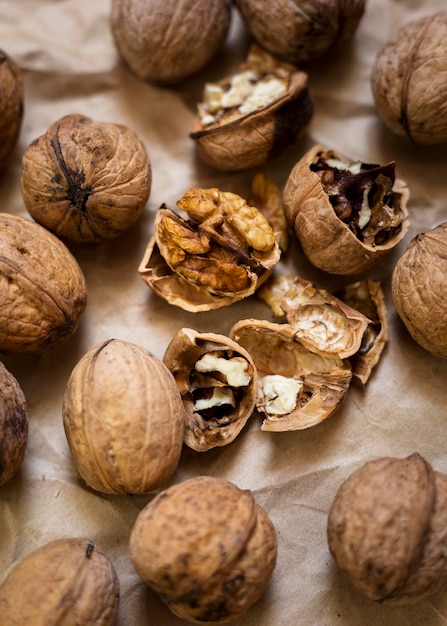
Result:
x=67 y=581
x=408 y=80
x=418 y=289
x=124 y=419
x=250 y=117
x=86 y=181
x=217 y=381
x=166 y=41
x=11 y=106
x=347 y=215
x=43 y=289
x=301 y=30
x=13 y=425
x=206 y=547
x=219 y=254
x=387 y=529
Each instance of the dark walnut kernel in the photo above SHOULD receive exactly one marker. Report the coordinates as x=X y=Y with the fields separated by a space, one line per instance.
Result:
x=86 y=181
x=11 y=106
x=13 y=425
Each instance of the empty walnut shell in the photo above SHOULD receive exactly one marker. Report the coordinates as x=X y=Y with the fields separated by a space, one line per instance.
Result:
x=86 y=181
x=13 y=425
x=301 y=30
x=66 y=581
x=408 y=80
x=206 y=547
x=220 y=254
x=43 y=292
x=387 y=529
x=124 y=419
x=346 y=215
x=166 y=41
x=217 y=381
x=297 y=388
x=418 y=288
x=249 y=118
x=11 y=106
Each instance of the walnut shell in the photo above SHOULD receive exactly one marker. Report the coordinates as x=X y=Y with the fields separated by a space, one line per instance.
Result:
x=301 y=30
x=408 y=80
x=230 y=137
x=387 y=529
x=67 y=581
x=123 y=418
x=86 y=181
x=217 y=381
x=297 y=388
x=206 y=547
x=166 y=41
x=346 y=215
x=13 y=425
x=418 y=288
x=43 y=290
x=11 y=106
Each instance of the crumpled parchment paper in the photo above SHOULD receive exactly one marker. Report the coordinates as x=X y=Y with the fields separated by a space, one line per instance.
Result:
x=70 y=65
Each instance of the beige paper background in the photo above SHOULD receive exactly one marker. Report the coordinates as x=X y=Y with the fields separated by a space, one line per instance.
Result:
x=66 y=52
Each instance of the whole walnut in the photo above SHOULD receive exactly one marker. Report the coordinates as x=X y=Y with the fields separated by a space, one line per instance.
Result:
x=418 y=289
x=387 y=529
x=86 y=181
x=11 y=106
x=301 y=30
x=124 y=419
x=67 y=581
x=43 y=291
x=166 y=41
x=13 y=425
x=408 y=80
x=206 y=547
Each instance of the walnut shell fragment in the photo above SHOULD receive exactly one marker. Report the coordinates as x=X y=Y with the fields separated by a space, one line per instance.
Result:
x=166 y=41
x=251 y=117
x=217 y=381
x=297 y=388
x=408 y=80
x=418 y=289
x=387 y=529
x=206 y=547
x=86 y=181
x=67 y=581
x=220 y=254
x=123 y=418
x=13 y=425
x=301 y=30
x=11 y=106
x=43 y=289
x=346 y=215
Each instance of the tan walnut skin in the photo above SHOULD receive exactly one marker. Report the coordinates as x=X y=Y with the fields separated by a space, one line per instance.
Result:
x=301 y=30
x=86 y=181
x=327 y=240
x=13 y=425
x=418 y=289
x=206 y=548
x=387 y=529
x=123 y=418
x=408 y=80
x=11 y=106
x=43 y=289
x=66 y=582
x=166 y=41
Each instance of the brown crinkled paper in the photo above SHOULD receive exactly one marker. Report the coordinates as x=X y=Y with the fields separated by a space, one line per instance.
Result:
x=70 y=65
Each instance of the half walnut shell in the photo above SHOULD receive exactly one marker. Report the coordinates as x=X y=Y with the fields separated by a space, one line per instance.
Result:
x=217 y=381
x=250 y=117
x=347 y=215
